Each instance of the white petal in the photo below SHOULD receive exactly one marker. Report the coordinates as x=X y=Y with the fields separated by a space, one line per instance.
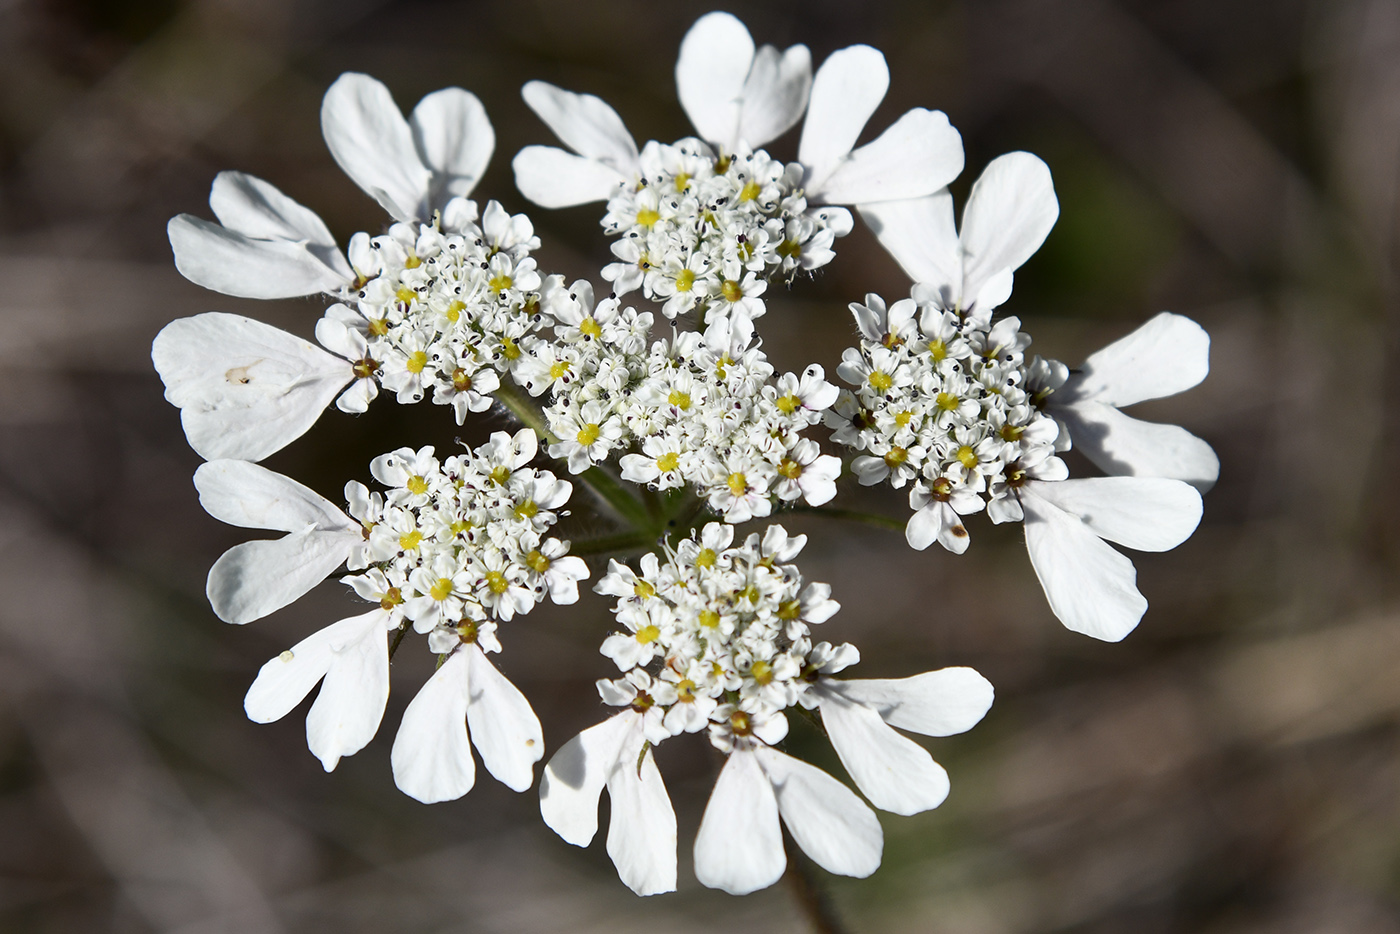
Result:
x=845 y=92
x=254 y=579
x=245 y=389
x=432 y=754
x=1091 y=588
x=346 y=714
x=553 y=178
x=1008 y=215
x=284 y=681
x=455 y=140
x=642 y=829
x=254 y=497
x=920 y=234
x=1165 y=356
x=255 y=208
x=935 y=703
x=739 y=848
x=893 y=771
x=504 y=729
x=711 y=71
x=827 y=820
x=585 y=124
x=919 y=154
x=1143 y=513
x=775 y=94
x=574 y=778
x=1121 y=445
x=372 y=143
x=235 y=264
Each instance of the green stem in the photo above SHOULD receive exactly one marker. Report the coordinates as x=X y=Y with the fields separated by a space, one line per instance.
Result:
x=853 y=515
x=596 y=479
x=812 y=898
x=627 y=541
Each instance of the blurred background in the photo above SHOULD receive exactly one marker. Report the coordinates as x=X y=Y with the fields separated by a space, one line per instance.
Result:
x=1232 y=767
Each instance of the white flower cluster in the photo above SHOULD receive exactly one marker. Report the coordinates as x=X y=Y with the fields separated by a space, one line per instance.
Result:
x=717 y=636
x=452 y=547
x=439 y=306
x=459 y=541
x=707 y=231
x=715 y=419
x=948 y=402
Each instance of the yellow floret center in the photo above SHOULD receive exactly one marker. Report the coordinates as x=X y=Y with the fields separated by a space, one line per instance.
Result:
x=937 y=349
x=706 y=558
x=880 y=381
x=537 y=562
x=685 y=280
x=731 y=291
x=646 y=217
x=499 y=283
x=750 y=191
x=588 y=434
x=896 y=456
x=441 y=590
x=559 y=369
x=416 y=362
x=526 y=510
x=591 y=328
x=648 y=634
x=680 y=400
x=967 y=457
x=788 y=404
x=500 y=474
x=417 y=485
x=497 y=582
x=738 y=483
x=405 y=294
x=762 y=672
x=668 y=462
x=454 y=311
x=947 y=401
x=410 y=540
x=709 y=619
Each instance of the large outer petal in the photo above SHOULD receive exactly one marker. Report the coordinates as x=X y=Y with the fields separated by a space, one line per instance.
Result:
x=255 y=208
x=893 y=771
x=504 y=729
x=1121 y=445
x=346 y=714
x=372 y=143
x=642 y=829
x=253 y=497
x=935 y=703
x=775 y=94
x=245 y=389
x=921 y=236
x=233 y=263
x=919 y=154
x=711 y=71
x=253 y=579
x=845 y=92
x=432 y=755
x=285 y=680
x=574 y=778
x=1167 y=355
x=827 y=820
x=454 y=139
x=584 y=123
x=1009 y=213
x=553 y=178
x=1091 y=588
x=1143 y=513
x=739 y=848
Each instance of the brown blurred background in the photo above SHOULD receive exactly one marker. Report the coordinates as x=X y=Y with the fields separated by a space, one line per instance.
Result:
x=1232 y=767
